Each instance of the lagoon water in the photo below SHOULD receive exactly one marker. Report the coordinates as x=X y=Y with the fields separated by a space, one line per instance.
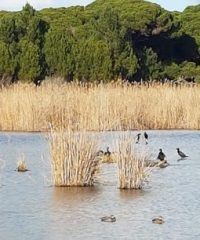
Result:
x=31 y=208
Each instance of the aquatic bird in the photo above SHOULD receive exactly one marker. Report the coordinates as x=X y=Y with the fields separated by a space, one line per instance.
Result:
x=138 y=137
x=158 y=220
x=146 y=137
x=100 y=153
x=110 y=218
x=107 y=153
x=161 y=155
x=181 y=154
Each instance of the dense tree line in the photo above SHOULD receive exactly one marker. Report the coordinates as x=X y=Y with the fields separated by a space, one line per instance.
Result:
x=107 y=40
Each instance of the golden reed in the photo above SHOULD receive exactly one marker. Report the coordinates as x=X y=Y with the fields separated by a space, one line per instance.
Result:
x=73 y=158
x=133 y=171
x=113 y=106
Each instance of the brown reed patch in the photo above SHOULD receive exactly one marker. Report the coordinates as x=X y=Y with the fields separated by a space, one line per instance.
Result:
x=99 y=107
x=73 y=158
x=21 y=164
x=133 y=171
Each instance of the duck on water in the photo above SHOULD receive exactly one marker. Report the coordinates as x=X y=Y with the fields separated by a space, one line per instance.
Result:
x=110 y=218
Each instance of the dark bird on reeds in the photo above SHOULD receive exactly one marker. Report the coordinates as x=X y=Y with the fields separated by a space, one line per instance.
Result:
x=138 y=137
x=161 y=155
x=107 y=153
x=100 y=153
x=181 y=154
x=146 y=137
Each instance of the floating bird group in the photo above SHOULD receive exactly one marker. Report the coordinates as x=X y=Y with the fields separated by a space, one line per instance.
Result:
x=106 y=153
x=161 y=155
x=107 y=156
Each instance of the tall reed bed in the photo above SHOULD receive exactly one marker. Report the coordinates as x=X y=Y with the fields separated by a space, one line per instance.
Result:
x=73 y=158
x=113 y=106
x=133 y=172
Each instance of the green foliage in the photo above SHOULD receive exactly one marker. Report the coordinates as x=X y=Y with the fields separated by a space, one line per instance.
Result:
x=186 y=70
x=8 y=29
x=93 y=61
x=127 y=63
x=29 y=61
x=108 y=39
x=190 y=20
x=8 y=47
x=8 y=64
x=172 y=71
x=59 y=56
x=27 y=13
x=151 y=67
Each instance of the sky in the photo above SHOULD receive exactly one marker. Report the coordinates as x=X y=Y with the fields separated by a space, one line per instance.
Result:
x=15 y=5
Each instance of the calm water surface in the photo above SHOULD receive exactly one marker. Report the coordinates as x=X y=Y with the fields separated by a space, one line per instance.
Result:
x=30 y=208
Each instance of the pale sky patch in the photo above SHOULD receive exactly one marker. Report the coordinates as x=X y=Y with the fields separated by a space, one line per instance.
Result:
x=16 y=5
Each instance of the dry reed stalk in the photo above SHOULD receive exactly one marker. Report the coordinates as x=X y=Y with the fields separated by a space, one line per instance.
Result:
x=133 y=172
x=113 y=106
x=73 y=158
x=21 y=164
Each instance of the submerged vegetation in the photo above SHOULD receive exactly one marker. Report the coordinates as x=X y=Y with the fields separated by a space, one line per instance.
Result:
x=103 y=41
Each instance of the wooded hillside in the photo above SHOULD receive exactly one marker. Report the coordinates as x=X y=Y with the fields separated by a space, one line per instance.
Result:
x=107 y=40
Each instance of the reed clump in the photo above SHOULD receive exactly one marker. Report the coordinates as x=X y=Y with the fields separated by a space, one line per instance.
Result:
x=21 y=164
x=133 y=171
x=99 y=107
x=73 y=158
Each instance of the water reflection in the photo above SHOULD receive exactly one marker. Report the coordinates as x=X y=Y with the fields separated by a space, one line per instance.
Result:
x=130 y=195
x=75 y=196
x=31 y=208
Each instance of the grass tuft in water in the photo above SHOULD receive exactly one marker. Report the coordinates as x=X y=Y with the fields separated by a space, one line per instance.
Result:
x=21 y=164
x=73 y=158
x=133 y=172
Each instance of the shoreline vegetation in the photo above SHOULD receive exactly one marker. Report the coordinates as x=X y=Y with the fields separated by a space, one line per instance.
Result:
x=105 y=41
x=99 y=107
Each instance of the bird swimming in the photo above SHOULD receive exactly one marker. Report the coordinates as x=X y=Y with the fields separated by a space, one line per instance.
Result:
x=110 y=218
x=181 y=154
x=158 y=220
x=146 y=137
x=161 y=155
x=138 y=137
